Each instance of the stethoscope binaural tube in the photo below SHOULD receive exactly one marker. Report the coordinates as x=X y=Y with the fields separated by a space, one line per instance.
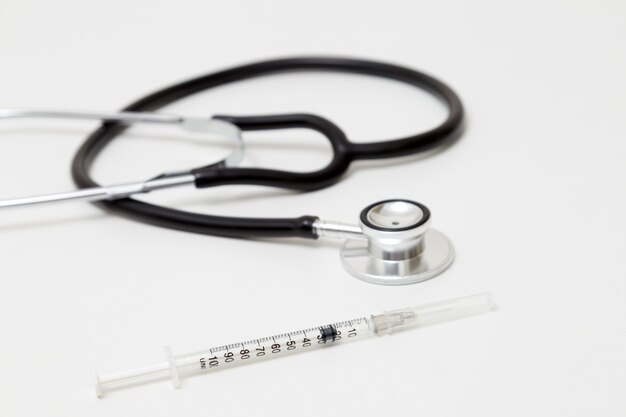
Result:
x=344 y=151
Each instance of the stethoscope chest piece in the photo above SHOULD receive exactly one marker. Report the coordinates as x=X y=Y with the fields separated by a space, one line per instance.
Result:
x=399 y=246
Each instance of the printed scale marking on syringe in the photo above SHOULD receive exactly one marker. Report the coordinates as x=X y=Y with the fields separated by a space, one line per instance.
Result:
x=280 y=343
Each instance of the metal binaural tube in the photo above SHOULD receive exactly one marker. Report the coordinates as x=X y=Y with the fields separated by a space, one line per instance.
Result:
x=124 y=117
x=113 y=192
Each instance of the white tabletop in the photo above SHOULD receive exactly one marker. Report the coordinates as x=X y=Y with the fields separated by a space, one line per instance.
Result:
x=532 y=197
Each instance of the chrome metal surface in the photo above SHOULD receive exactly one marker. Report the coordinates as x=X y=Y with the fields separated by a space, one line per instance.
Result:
x=220 y=128
x=436 y=256
x=403 y=231
x=337 y=230
x=395 y=214
x=392 y=245
x=190 y=124
x=213 y=127
x=113 y=192
x=122 y=117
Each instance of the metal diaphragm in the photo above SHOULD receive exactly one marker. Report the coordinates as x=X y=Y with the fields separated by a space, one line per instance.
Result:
x=400 y=247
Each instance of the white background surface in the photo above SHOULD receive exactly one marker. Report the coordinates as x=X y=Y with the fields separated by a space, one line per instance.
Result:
x=532 y=196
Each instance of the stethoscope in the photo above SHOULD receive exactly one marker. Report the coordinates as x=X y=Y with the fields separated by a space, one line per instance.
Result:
x=392 y=243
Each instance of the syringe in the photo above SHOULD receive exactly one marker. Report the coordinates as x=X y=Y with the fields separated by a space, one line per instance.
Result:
x=226 y=356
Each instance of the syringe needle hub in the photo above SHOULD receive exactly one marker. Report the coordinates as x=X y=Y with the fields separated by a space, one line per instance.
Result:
x=439 y=312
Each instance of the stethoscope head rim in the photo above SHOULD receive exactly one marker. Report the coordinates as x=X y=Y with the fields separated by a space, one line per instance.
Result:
x=398 y=247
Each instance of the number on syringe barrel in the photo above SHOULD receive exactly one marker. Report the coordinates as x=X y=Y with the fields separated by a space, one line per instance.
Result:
x=245 y=354
x=212 y=362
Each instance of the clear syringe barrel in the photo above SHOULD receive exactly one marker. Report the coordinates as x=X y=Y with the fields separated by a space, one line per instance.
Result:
x=243 y=353
x=235 y=354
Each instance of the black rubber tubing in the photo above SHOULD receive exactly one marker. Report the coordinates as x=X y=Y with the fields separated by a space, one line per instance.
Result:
x=269 y=227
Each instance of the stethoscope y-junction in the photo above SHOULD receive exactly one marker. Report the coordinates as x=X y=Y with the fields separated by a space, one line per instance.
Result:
x=392 y=242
